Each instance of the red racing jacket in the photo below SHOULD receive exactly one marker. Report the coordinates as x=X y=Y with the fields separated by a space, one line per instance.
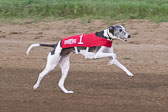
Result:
x=85 y=40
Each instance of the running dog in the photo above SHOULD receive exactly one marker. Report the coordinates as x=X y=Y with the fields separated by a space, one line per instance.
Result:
x=91 y=46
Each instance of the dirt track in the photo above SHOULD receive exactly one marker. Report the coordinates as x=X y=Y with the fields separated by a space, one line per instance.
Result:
x=97 y=86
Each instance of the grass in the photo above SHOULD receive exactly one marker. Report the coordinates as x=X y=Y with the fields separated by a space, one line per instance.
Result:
x=156 y=10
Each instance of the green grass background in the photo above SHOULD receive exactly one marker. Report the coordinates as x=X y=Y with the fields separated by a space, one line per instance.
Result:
x=156 y=10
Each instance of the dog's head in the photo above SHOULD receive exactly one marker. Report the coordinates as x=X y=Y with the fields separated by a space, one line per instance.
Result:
x=118 y=32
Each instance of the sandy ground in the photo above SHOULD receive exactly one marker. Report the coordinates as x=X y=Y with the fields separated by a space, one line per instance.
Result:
x=97 y=86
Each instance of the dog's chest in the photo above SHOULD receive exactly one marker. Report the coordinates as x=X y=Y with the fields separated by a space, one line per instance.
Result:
x=85 y=40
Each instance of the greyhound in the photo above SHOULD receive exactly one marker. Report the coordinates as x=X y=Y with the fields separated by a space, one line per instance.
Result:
x=88 y=47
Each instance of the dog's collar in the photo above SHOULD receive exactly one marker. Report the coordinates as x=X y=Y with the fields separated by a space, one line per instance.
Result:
x=102 y=34
x=105 y=34
x=109 y=37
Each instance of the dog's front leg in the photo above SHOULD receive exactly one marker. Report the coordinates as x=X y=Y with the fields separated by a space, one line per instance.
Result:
x=105 y=55
x=90 y=55
x=111 y=50
x=117 y=63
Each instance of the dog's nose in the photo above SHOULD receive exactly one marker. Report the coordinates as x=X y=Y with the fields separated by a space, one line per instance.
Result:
x=129 y=36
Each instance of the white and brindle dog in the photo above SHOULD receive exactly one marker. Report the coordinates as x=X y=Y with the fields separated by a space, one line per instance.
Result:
x=61 y=55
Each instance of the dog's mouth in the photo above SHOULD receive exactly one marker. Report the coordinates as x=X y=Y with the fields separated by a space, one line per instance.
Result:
x=123 y=39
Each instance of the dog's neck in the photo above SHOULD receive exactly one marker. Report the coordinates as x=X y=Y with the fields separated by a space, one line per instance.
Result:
x=109 y=35
x=105 y=34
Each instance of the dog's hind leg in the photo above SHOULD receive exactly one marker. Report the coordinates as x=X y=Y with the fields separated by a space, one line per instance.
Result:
x=64 y=65
x=47 y=69
x=52 y=61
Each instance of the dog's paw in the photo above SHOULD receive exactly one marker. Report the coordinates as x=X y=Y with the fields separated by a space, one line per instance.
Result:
x=69 y=92
x=130 y=74
x=35 y=86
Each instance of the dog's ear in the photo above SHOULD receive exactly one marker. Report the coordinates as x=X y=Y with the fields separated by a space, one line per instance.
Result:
x=111 y=29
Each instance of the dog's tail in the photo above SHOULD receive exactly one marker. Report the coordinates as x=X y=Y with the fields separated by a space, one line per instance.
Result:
x=37 y=45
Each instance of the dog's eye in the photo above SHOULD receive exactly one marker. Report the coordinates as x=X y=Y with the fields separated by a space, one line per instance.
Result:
x=120 y=30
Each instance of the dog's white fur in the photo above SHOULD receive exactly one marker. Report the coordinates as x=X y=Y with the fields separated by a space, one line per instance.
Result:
x=63 y=61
